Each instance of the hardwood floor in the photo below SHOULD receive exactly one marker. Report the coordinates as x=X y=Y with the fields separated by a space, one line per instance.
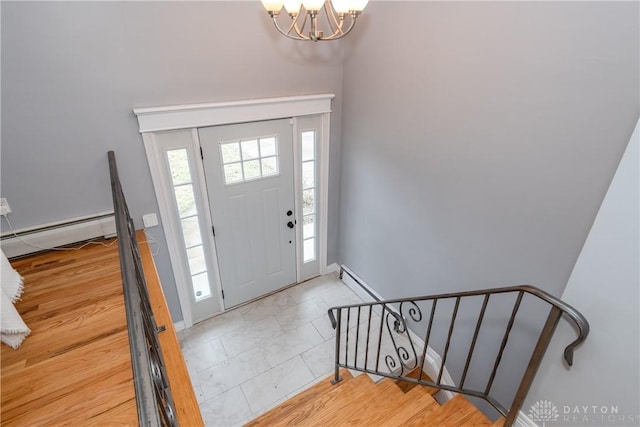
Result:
x=75 y=367
x=361 y=402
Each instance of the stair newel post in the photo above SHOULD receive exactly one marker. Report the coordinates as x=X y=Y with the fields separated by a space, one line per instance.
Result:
x=337 y=325
x=534 y=363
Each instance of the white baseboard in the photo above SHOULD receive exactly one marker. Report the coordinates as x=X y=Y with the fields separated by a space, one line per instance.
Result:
x=524 y=421
x=433 y=360
x=179 y=326
x=331 y=268
x=60 y=233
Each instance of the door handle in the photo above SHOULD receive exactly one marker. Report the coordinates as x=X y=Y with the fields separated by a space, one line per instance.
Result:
x=290 y=224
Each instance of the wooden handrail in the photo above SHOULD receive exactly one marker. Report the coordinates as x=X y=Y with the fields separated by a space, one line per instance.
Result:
x=186 y=403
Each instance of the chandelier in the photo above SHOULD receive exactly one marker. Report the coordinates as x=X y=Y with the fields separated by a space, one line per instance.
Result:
x=340 y=16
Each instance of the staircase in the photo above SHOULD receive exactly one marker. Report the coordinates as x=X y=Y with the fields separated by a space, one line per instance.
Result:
x=361 y=402
x=379 y=339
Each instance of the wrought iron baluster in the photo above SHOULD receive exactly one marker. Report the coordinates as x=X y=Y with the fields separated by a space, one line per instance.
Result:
x=475 y=338
x=337 y=325
x=504 y=342
x=427 y=336
x=355 y=357
x=380 y=337
x=346 y=334
x=446 y=347
x=366 y=354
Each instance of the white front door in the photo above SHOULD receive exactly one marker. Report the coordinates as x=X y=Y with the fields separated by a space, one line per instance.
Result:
x=249 y=174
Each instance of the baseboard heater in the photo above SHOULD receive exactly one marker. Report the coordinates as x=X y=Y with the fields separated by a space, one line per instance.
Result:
x=57 y=234
x=358 y=285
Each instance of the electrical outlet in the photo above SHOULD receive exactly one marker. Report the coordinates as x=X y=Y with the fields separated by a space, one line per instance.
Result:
x=4 y=207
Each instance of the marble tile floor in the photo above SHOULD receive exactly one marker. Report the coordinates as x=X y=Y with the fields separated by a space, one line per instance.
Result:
x=250 y=359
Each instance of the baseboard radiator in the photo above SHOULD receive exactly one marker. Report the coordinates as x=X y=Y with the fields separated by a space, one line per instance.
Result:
x=36 y=239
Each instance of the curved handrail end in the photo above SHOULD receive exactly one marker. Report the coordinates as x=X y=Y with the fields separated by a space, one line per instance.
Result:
x=568 y=356
x=583 y=328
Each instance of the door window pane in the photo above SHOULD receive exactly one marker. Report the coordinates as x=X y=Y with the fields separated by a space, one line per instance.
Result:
x=308 y=202
x=252 y=169
x=230 y=152
x=308 y=226
x=270 y=166
x=185 y=200
x=197 y=263
x=308 y=145
x=308 y=175
x=309 y=250
x=268 y=147
x=179 y=166
x=191 y=231
x=250 y=150
x=233 y=173
x=201 y=287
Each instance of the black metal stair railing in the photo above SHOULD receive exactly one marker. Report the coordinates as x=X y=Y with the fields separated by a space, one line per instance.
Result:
x=375 y=338
x=153 y=394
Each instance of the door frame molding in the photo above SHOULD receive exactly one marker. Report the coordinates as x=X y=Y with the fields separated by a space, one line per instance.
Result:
x=194 y=116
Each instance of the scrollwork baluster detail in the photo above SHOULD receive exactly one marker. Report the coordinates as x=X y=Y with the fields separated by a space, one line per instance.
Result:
x=404 y=355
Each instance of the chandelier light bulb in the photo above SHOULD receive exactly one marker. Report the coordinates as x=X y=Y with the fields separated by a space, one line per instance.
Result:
x=342 y=6
x=313 y=5
x=272 y=5
x=292 y=6
x=359 y=5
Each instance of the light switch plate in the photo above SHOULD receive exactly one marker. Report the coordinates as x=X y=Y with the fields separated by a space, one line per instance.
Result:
x=150 y=220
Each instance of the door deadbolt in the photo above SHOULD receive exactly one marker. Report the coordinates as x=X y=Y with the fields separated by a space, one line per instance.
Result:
x=289 y=213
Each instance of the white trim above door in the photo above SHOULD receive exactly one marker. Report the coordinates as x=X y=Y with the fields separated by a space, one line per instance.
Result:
x=153 y=121
x=223 y=113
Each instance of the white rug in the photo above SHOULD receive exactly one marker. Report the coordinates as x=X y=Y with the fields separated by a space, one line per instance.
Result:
x=13 y=330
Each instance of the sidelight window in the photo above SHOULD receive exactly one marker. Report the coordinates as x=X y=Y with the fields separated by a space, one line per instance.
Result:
x=183 y=191
x=309 y=195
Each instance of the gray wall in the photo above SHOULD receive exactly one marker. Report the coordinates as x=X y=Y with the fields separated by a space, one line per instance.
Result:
x=479 y=139
x=73 y=71
x=606 y=275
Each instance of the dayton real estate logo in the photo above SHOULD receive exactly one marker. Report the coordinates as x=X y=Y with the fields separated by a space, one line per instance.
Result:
x=544 y=411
